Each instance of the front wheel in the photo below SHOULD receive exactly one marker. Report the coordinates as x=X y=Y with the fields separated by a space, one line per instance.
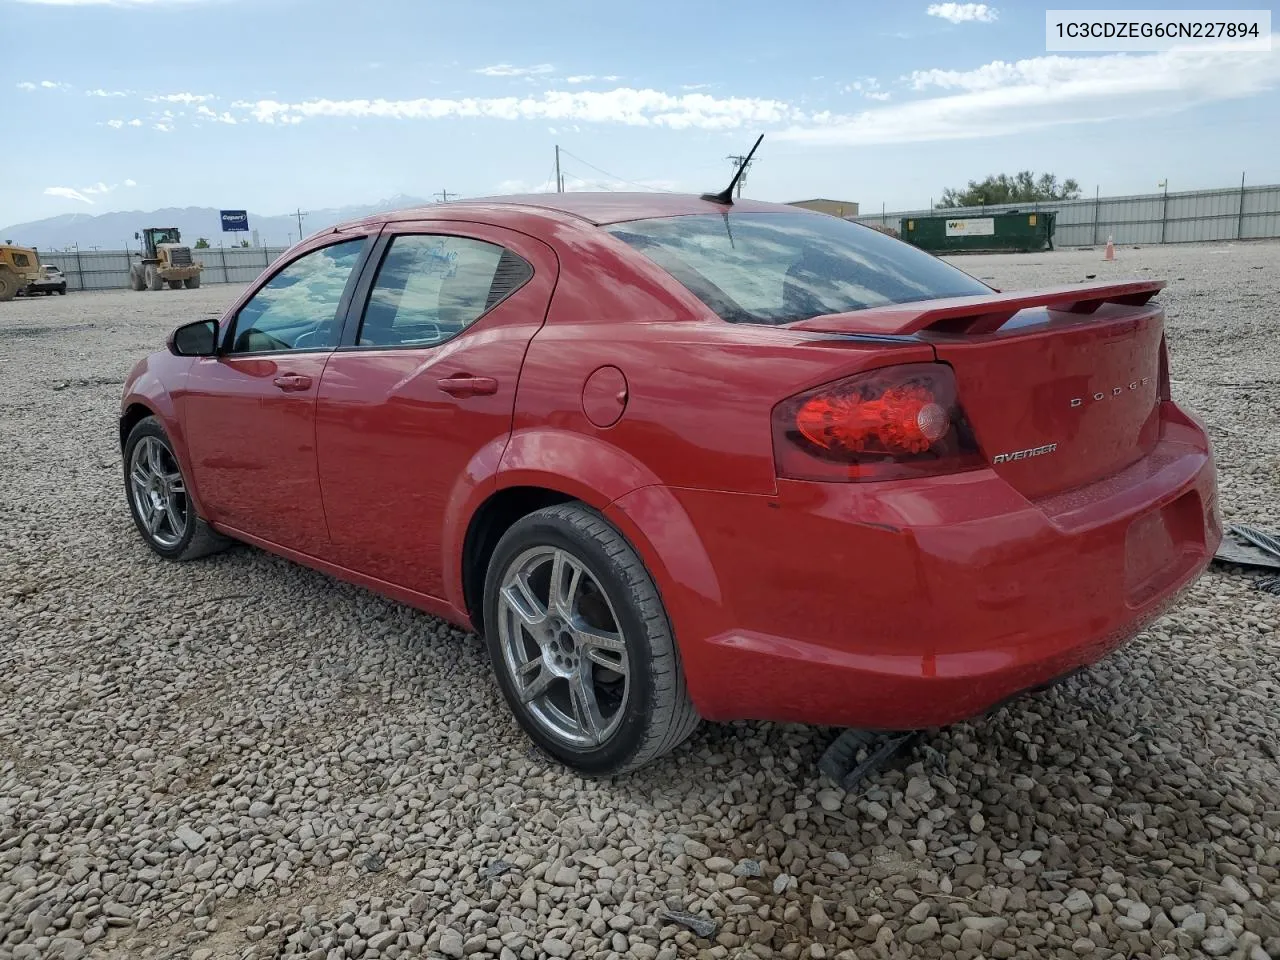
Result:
x=581 y=644
x=62 y=290
x=164 y=512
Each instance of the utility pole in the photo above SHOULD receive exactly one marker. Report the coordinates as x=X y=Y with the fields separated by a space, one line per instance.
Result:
x=444 y=196
x=738 y=161
x=559 y=178
x=299 y=214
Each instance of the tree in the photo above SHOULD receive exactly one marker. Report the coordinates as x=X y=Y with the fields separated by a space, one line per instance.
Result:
x=202 y=244
x=244 y=243
x=1022 y=187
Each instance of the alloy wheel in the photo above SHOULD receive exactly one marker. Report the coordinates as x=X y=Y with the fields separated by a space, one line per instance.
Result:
x=159 y=492
x=562 y=646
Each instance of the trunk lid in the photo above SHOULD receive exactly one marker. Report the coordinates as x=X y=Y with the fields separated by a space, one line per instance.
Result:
x=1061 y=386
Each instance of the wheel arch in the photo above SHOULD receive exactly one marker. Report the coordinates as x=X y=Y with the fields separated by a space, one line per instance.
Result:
x=488 y=523
x=130 y=417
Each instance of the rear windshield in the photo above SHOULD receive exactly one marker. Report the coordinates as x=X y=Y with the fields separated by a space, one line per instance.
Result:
x=780 y=267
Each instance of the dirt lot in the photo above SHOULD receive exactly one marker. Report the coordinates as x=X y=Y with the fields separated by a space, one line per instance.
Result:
x=242 y=758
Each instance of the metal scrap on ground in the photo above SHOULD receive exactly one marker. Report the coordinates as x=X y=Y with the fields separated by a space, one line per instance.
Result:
x=1249 y=547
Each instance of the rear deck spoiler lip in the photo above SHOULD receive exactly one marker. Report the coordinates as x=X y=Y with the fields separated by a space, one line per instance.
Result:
x=984 y=313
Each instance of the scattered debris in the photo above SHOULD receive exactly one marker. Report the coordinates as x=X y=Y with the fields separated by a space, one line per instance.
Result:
x=496 y=869
x=1249 y=547
x=699 y=925
x=857 y=754
x=748 y=868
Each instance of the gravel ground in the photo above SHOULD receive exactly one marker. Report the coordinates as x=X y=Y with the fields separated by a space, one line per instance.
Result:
x=242 y=758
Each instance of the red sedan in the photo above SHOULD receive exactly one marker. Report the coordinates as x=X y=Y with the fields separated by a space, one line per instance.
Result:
x=679 y=459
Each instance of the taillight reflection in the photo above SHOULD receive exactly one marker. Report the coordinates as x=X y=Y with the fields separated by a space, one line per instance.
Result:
x=890 y=423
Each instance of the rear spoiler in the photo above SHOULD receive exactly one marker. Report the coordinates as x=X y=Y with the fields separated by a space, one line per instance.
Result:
x=984 y=313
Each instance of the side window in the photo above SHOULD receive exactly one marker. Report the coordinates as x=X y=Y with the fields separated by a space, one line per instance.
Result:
x=297 y=309
x=431 y=288
x=21 y=260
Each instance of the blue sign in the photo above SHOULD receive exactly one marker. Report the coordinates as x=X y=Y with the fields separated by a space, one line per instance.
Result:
x=235 y=221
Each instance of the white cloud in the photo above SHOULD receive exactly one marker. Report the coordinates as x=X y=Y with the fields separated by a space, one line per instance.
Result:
x=186 y=98
x=507 y=70
x=134 y=122
x=1002 y=98
x=115 y=124
x=131 y=183
x=105 y=93
x=99 y=187
x=623 y=105
x=963 y=12
x=54 y=85
x=26 y=85
x=588 y=77
x=215 y=116
x=880 y=95
x=163 y=127
x=67 y=193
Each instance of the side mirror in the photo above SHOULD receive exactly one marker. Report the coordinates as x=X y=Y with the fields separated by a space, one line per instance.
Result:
x=136 y=236
x=199 y=339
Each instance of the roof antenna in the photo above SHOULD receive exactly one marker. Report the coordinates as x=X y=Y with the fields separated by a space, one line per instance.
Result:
x=725 y=196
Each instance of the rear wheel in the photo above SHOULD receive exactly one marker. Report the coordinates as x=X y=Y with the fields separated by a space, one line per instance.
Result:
x=581 y=645
x=193 y=282
x=62 y=290
x=9 y=284
x=154 y=280
x=158 y=500
x=137 y=279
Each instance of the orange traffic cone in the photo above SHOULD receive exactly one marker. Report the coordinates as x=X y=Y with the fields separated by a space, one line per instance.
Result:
x=1111 y=250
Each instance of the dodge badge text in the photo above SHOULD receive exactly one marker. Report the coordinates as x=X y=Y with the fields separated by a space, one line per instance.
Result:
x=1024 y=454
x=1115 y=391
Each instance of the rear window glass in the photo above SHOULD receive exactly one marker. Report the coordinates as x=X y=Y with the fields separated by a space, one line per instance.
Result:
x=780 y=267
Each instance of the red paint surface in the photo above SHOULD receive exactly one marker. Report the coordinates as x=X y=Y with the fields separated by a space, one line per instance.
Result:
x=893 y=605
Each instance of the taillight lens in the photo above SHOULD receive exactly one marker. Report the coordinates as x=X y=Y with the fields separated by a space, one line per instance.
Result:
x=886 y=424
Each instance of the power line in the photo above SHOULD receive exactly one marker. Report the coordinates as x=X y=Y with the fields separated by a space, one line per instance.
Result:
x=444 y=196
x=612 y=176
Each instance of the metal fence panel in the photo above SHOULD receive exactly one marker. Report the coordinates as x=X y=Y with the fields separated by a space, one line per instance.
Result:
x=1186 y=217
x=109 y=269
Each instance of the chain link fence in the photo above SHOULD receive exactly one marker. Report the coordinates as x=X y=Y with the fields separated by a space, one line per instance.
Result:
x=109 y=269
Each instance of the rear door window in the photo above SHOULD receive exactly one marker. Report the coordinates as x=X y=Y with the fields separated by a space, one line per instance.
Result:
x=776 y=268
x=431 y=287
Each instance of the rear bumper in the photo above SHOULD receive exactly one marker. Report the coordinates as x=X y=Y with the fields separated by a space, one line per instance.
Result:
x=911 y=604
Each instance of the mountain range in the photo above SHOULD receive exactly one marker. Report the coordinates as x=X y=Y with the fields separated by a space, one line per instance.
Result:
x=111 y=231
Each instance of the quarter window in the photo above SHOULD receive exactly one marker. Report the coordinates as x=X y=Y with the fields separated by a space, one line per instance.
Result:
x=430 y=288
x=297 y=309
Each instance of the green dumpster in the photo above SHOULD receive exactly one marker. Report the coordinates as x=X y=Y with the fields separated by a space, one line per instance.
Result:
x=1015 y=231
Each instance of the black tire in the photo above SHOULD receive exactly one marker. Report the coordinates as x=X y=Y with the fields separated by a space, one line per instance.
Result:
x=137 y=279
x=62 y=290
x=193 y=283
x=9 y=284
x=154 y=280
x=657 y=714
x=198 y=539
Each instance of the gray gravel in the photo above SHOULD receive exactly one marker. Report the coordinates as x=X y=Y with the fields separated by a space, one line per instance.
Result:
x=242 y=758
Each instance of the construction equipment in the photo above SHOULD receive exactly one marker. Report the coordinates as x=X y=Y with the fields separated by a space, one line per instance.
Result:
x=19 y=267
x=163 y=260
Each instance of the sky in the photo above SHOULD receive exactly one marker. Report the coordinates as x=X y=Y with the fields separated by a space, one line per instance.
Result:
x=271 y=105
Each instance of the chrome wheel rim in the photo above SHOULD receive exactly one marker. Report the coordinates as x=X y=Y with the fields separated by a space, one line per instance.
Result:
x=159 y=493
x=562 y=646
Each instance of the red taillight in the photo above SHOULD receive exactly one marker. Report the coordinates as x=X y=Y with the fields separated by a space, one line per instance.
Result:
x=885 y=424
